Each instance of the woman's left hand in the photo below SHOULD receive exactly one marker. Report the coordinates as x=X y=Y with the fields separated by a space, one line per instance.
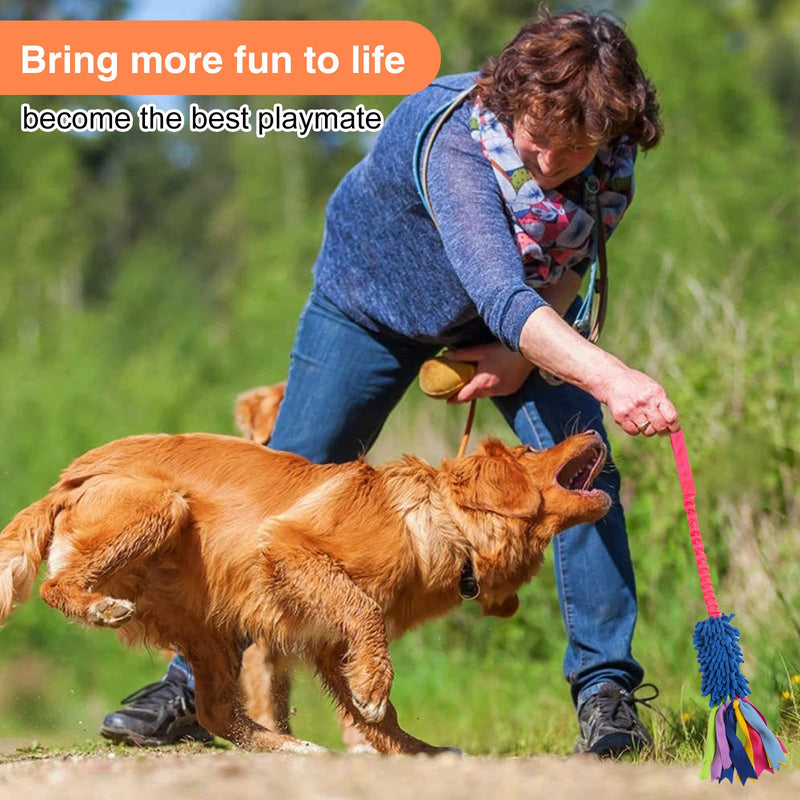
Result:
x=500 y=371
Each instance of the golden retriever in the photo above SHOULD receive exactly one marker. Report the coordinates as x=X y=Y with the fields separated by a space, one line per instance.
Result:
x=198 y=541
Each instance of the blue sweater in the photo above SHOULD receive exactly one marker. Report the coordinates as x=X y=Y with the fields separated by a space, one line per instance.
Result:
x=382 y=260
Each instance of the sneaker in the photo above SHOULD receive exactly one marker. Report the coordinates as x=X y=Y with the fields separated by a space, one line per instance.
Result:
x=160 y=713
x=609 y=723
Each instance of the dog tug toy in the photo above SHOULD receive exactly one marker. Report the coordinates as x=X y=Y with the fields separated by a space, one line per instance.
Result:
x=738 y=737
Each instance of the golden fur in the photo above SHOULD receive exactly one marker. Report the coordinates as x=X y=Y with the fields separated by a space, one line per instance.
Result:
x=197 y=541
x=257 y=409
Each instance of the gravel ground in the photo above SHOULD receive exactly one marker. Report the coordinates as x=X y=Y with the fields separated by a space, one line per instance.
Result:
x=238 y=775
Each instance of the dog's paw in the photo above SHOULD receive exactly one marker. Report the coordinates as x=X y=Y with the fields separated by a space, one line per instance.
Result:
x=110 y=612
x=302 y=747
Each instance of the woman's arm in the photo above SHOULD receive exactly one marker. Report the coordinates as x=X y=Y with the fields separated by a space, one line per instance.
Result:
x=547 y=341
x=632 y=397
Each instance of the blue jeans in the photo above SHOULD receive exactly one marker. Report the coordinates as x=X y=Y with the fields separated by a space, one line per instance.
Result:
x=343 y=383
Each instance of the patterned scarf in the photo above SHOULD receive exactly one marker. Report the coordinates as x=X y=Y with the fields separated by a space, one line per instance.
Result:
x=552 y=231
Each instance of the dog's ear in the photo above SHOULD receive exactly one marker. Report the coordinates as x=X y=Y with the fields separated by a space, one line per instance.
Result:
x=494 y=447
x=493 y=480
x=507 y=608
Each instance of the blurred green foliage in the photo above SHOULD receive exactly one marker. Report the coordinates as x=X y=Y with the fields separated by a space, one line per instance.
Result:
x=147 y=279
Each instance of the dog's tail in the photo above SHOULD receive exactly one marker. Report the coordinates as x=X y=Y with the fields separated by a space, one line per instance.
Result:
x=256 y=411
x=23 y=544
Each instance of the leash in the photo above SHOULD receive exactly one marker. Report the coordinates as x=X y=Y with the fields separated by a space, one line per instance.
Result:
x=462 y=448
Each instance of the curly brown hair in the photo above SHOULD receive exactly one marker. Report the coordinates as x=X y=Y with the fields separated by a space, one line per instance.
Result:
x=573 y=79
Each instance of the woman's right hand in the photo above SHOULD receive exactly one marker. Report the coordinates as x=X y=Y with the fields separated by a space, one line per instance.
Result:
x=638 y=403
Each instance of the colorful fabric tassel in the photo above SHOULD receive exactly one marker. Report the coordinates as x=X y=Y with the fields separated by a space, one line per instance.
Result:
x=739 y=742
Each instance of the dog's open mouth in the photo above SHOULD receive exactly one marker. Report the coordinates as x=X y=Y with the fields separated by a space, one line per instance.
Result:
x=579 y=472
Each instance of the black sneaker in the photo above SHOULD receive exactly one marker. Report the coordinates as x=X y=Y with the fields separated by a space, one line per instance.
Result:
x=609 y=723
x=160 y=713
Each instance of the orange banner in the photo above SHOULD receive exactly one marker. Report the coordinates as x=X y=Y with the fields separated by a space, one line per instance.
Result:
x=216 y=57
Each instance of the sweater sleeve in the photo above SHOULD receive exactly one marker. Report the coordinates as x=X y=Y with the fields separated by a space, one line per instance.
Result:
x=476 y=232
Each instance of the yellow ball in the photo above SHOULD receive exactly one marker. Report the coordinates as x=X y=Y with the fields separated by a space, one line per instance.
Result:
x=442 y=378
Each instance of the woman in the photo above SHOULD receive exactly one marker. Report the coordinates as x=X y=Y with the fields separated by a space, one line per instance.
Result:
x=564 y=101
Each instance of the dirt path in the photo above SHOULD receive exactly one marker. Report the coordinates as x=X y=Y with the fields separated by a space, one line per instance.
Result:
x=268 y=777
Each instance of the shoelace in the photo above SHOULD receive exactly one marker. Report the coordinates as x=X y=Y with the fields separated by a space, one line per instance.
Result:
x=644 y=701
x=620 y=706
x=156 y=694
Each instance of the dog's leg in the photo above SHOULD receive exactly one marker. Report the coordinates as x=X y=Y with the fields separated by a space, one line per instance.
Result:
x=219 y=703
x=265 y=683
x=332 y=600
x=115 y=522
x=385 y=736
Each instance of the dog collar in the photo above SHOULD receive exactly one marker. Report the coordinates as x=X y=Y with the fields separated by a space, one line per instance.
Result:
x=468 y=586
